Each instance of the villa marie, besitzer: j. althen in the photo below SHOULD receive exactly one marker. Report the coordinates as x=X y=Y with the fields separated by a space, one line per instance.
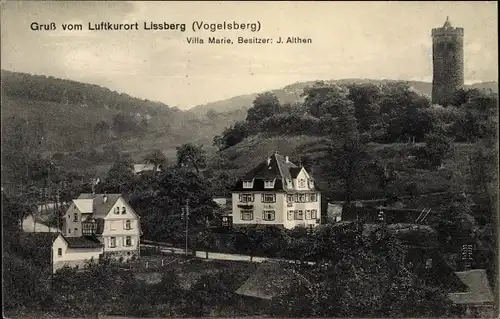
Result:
x=252 y=40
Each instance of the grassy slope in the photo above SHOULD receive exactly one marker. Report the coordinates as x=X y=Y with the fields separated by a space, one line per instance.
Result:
x=255 y=149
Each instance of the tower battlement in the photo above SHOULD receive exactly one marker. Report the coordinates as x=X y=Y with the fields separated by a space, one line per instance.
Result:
x=436 y=32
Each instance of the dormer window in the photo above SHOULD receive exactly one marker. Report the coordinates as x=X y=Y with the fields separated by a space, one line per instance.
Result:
x=302 y=183
x=247 y=184
x=311 y=184
x=289 y=183
x=269 y=184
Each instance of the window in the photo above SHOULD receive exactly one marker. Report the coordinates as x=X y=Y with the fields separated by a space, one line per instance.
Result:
x=128 y=241
x=290 y=215
x=76 y=230
x=127 y=225
x=289 y=198
x=117 y=210
x=314 y=214
x=302 y=198
x=246 y=214
x=124 y=211
x=302 y=182
x=75 y=217
x=69 y=230
x=247 y=184
x=268 y=215
x=314 y=198
x=88 y=227
x=269 y=184
x=299 y=214
x=246 y=198
x=268 y=198
x=59 y=251
x=112 y=242
x=308 y=214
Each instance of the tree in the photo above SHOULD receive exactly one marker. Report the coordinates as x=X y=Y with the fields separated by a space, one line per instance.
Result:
x=157 y=158
x=323 y=99
x=120 y=176
x=365 y=98
x=190 y=154
x=159 y=203
x=232 y=135
x=455 y=223
x=264 y=105
x=218 y=142
x=362 y=276
x=401 y=107
x=436 y=148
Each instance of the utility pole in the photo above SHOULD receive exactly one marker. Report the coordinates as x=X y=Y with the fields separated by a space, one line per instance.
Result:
x=185 y=215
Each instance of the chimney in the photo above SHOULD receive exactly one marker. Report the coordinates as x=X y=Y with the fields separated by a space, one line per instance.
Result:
x=104 y=198
x=287 y=160
x=268 y=161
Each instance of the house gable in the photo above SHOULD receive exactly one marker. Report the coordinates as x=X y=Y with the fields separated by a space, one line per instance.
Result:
x=120 y=204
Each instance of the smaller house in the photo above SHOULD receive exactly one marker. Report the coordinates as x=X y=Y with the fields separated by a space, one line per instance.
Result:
x=53 y=251
x=141 y=168
x=75 y=251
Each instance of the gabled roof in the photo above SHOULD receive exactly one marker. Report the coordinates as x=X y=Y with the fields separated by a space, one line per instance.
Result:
x=269 y=281
x=479 y=290
x=100 y=206
x=83 y=242
x=276 y=167
x=83 y=205
x=138 y=168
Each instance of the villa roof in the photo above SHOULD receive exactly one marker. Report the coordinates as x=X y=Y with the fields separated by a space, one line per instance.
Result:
x=275 y=167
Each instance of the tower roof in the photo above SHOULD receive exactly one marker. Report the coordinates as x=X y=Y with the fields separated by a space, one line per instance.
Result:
x=447 y=23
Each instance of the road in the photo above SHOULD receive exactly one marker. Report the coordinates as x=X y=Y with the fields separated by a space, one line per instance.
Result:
x=219 y=256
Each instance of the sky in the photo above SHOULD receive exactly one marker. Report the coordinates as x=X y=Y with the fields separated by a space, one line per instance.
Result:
x=377 y=40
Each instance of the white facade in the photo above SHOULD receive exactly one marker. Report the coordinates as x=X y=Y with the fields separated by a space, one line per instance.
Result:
x=297 y=204
x=63 y=255
x=121 y=230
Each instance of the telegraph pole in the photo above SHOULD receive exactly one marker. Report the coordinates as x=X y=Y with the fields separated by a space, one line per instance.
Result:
x=185 y=214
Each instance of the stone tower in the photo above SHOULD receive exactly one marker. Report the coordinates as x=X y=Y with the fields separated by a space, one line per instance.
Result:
x=447 y=62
